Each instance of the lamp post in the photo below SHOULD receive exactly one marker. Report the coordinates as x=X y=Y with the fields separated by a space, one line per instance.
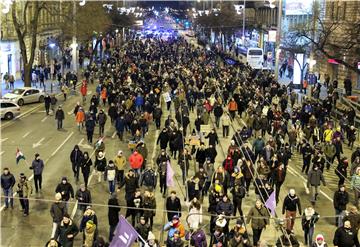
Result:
x=278 y=39
x=243 y=31
x=74 y=43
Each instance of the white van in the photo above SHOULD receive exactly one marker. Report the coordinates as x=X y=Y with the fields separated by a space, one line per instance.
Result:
x=255 y=58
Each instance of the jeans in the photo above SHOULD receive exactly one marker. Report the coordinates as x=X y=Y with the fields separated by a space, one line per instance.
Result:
x=54 y=228
x=308 y=235
x=59 y=124
x=38 y=182
x=111 y=186
x=8 y=197
x=101 y=129
x=24 y=202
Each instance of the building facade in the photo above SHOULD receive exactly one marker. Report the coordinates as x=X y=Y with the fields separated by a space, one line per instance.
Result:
x=10 y=56
x=347 y=15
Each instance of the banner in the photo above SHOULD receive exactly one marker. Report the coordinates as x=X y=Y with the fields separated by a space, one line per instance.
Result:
x=125 y=234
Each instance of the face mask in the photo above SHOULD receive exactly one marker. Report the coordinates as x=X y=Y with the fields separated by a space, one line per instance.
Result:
x=64 y=181
x=37 y=158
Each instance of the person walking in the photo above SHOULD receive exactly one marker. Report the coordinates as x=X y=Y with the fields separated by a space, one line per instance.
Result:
x=37 y=166
x=24 y=191
x=59 y=116
x=47 y=102
x=344 y=236
x=100 y=165
x=355 y=185
x=67 y=231
x=85 y=165
x=120 y=163
x=113 y=215
x=173 y=206
x=53 y=103
x=259 y=217
x=90 y=127
x=101 y=120
x=76 y=157
x=308 y=220
x=341 y=199
x=225 y=120
x=7 y=183
x=83 y=196
x=57 y=212
x=80 y=118
x=66 y=190
x=291 y=203
x=314 y=178
x=110 y=176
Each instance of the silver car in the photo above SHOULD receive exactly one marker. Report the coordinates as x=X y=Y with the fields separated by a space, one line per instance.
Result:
x=9 y=110
x=25 y=95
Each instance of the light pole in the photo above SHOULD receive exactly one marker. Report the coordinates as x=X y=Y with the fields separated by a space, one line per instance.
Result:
x=278 y=39
x=74 y=43
x=243 y=31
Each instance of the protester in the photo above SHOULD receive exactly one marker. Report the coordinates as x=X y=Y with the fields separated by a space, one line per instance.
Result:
x=7 y=184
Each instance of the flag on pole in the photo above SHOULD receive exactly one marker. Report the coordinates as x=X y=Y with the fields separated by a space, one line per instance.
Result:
x=271 y=203
x=19 y=156
x=125 y=234
x=169 y=175
x=98 y=143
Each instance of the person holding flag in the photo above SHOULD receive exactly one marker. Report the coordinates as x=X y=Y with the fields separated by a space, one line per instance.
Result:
x=19 y=156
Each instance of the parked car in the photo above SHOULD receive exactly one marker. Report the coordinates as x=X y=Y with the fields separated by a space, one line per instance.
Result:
x=9 y=110
x=25 y=95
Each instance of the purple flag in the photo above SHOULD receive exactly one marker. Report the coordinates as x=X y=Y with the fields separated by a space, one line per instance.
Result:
x=169 y=175
x=125 y=234
x=271 y=203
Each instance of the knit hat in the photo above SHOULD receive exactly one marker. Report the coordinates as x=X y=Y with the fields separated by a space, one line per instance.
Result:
x=221 y=221
x=120 y=152
x=100 y=155
x=58 y=197
x=151 y=236
x=319 y=237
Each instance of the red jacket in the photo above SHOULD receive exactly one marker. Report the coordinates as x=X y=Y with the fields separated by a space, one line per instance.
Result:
x=136 y=160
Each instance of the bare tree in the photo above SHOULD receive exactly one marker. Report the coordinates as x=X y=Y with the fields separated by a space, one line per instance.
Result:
x=334 y=38
x=23 y=28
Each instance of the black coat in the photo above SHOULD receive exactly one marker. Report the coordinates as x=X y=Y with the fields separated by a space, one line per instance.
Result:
x=84 y=198
x=76 y=157
x=59 y=115
x=163 y=139
x=85 y=166
x=66 y=190
x=344 y=238
x=113 y=213
x=341 y=199
x=173 y=205
x=64 y=230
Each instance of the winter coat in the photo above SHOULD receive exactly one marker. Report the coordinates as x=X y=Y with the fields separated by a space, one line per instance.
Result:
x=131 y=184
x=90 y=125
x=64 y=230
x=100 y=165
x=314 y=178
x=120 y=124
x=213 y=139
x=171 y=230
x=344 y=237
x=80 y=117
x=66 y=190
x=59 y=115
x=197 y=238
x=143 y=230
x=120 y=162
x=341 y=199
x=355 y=181
x=113 y=212
x=136 y=160
x=354 y=219
x=37 y=166
x=101 y=118
x=57 y=211
x=150 y=203
x=110 y=172
x=218 y=111
x=173 y=205
x=84 y=198
x=7 y=181
x=226 y=208
x=163 y=139
x=291 y=203
x=225 y=120
x=309 y=218
x=85 y=166
x=24 y=189
x=258 y=223
x=148 y=178
x=76 y=157
x=139 y=101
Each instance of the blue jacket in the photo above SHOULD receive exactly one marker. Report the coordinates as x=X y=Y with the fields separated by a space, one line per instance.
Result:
x=90 y=125
x=120 y=124
x=37 y=166
x=139 y=101
x=7 y=181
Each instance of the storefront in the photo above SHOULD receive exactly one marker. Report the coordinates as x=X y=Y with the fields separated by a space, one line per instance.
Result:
x=9 y=58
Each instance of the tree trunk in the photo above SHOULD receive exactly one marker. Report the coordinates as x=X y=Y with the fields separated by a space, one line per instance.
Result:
x=27 y=75
x=94 y=53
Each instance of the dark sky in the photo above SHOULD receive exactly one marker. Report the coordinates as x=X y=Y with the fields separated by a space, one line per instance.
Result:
x=171 y=4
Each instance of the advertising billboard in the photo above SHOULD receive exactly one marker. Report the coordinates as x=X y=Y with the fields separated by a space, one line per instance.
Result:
x=298 y=7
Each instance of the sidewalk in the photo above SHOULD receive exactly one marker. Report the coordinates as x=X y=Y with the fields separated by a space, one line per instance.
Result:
x=20 y=83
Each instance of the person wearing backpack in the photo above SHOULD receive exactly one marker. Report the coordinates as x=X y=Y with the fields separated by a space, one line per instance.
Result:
x=148 y=178
x=24 y=190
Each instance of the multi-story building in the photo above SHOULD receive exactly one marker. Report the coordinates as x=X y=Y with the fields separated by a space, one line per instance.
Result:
x=346 y=15
x=10 y=56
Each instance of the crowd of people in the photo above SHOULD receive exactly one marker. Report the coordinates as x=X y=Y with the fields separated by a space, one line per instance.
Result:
x=144 y=79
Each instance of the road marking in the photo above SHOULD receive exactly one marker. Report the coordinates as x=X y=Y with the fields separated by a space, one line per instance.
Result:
x=2 y=140
x=1 y=153
x=62 y=144
x=43 y=120
x=35 y=145
x=27 y=133
x=80 y=142
x=113 y=136
x=70 y=112
x=90 y=92
x=299 y=175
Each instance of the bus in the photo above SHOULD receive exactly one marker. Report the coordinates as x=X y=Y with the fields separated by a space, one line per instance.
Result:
x=255 y=58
